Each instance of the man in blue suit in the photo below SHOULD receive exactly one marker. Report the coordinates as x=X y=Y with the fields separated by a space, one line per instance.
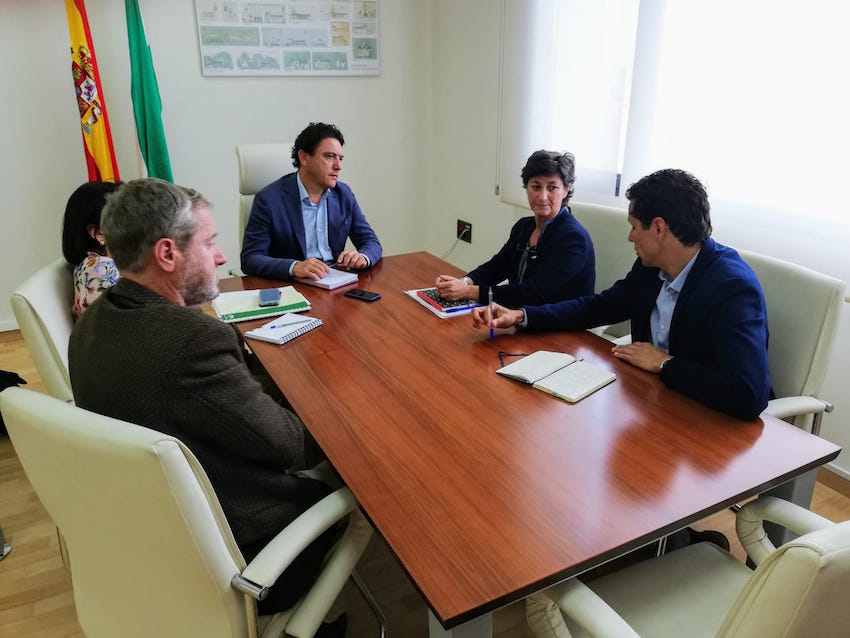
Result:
x=697 y=310
x=698 y=321
x=300 y=223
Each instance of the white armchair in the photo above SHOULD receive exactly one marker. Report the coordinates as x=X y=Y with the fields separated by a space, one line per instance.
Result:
x=152 y=552
x=796 y=591
x=609 y=229
x=803 y=308
x=42 y=307
x=259 y=165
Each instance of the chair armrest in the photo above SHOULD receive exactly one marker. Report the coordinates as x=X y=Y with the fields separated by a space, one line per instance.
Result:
x=785 y=407
x=581 y=604
x=275 y=557
x=338 y=566
x=750 y=528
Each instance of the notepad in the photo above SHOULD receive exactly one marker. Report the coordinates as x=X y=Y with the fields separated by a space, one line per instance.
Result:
x=333 y=280
x=559 y=374
x=442 y=314
x=432 y=297
x=241 y=305
x=284 y=328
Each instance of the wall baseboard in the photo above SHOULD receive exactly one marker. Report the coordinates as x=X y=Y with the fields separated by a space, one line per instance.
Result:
x=8 y=324
x=835 y=478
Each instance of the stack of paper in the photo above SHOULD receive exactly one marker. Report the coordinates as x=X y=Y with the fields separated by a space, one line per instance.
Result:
x=242 y=305
x=333 y=280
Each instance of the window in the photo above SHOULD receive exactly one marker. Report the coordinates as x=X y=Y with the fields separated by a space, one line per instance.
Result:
x=749 y=96
x=566 y=67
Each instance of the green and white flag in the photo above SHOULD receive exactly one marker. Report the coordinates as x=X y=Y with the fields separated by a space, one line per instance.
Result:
x=144 y=90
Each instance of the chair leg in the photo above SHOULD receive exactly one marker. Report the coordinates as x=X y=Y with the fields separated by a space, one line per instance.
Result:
x=5 y=548
x=63 y=551
x=373 y=604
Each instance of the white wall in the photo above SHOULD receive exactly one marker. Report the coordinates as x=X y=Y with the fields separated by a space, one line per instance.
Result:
x=465 y=68
x=385 y=121
x=41 y=158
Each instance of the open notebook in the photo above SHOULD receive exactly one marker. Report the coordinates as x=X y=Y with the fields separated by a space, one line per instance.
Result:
x=560 y=374
x=284 y=328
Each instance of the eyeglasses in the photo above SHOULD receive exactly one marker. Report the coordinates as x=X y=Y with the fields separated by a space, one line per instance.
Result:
x=503 y=354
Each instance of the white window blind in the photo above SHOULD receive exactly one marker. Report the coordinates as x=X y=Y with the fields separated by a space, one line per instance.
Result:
x=565 y=73
x=749 y=96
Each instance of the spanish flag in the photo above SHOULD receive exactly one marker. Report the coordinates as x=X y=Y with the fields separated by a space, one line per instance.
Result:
x=97 y=138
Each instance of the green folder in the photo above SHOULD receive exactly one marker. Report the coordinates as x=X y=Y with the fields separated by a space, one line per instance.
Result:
x=242 y=305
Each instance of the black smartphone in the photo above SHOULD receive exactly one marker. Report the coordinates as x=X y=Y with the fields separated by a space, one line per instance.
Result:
x=362 y=295
x=269 y=296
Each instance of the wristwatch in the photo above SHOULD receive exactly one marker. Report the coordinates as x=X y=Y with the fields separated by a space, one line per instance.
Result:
x=466 y=280
x=664 y=363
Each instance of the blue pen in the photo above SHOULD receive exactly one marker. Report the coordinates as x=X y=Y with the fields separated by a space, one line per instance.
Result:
x=289 y=323
x=490 y=304
x=459 y=308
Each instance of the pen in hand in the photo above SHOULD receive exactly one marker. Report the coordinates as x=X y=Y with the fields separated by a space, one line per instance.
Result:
x=490 y=304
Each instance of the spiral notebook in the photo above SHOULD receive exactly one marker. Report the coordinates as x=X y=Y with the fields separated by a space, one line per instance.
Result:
x=284 y=328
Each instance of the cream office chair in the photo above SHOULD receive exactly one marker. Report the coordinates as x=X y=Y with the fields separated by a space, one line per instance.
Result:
x=803 y=310
x=609 y=231
x=42 y=307
x=152 y=552
x=259 y=165
x=796 y=591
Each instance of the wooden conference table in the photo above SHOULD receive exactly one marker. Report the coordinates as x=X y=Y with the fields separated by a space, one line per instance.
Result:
x=485 y=489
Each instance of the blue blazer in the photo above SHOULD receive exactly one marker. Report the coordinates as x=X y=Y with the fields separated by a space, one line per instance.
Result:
x=718 y=332
x=274 y=235
x=562 y=267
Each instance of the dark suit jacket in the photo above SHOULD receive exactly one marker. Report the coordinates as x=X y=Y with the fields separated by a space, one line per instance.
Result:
x=563 y=265
x=274 y=235
x=136 y=356
x=718 y=332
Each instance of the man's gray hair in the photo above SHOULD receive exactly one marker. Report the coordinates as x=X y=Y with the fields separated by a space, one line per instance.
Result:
x=143 y=211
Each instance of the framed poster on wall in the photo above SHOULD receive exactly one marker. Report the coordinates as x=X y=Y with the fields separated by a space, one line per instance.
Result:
x=239 y=37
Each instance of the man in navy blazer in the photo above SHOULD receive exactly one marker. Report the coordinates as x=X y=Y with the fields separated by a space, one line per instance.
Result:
x=299 y=224
x=696 y=308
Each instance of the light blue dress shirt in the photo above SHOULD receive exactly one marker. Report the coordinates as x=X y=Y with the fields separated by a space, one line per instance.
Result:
x=315 y=225
x=665 y=304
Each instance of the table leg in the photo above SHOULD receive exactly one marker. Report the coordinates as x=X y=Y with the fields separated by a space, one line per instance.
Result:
x=481 y=627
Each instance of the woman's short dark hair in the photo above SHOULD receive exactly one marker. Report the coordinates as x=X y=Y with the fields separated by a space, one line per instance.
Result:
x=311 y=137
x=551 y=163
x=83 y=210
x=678 y=198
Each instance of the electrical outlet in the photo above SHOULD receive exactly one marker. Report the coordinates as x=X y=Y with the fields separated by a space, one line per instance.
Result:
x=464 y=231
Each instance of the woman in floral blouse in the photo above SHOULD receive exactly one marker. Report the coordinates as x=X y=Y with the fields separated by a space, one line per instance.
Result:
x=83 y=245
